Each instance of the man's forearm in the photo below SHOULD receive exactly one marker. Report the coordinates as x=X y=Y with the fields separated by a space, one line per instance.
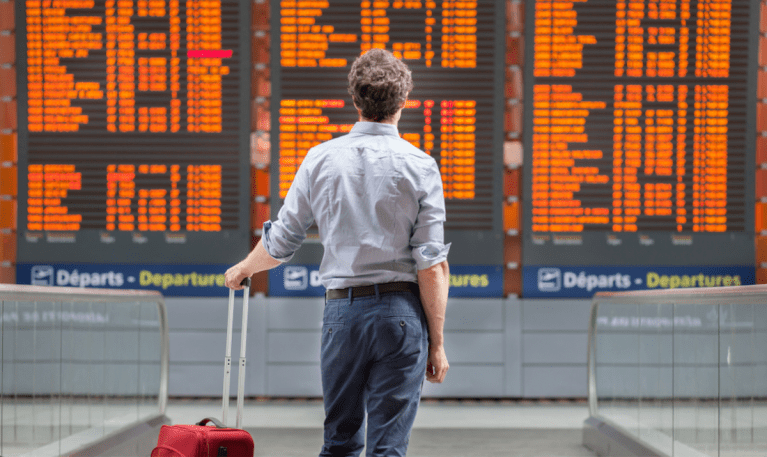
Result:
x=434 y=283
x=259 y=260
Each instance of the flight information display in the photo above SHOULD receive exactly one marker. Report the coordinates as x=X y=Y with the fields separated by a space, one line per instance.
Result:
x=135 y=144
x=640 y=132
x=454 y=113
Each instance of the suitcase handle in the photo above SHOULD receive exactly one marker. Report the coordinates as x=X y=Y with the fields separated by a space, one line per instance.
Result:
x=228 y=355
x=213 y=421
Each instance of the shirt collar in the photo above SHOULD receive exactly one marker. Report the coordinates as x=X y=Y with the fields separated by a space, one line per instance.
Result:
x=375 y=128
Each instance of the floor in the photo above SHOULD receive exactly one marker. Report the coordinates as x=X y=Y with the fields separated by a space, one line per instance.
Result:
x=447 y=428
x=435 y=442
x=523 y=428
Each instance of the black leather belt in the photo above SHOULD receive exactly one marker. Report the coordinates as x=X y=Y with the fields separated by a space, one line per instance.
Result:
x=363 y=291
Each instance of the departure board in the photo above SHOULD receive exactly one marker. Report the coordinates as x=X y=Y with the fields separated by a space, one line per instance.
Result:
x=134 y=146
x=639 y=135
x=454 y=50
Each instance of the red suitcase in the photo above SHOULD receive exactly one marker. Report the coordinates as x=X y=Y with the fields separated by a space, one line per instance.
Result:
x=201 y=440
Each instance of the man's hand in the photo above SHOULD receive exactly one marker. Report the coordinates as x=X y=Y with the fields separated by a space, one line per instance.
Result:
x=236 y=274
x=436 y=366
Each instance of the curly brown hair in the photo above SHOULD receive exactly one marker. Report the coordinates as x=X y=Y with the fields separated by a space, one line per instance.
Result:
x=379 y=84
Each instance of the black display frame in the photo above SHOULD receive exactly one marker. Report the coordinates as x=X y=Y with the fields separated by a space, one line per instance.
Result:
x=469 y=247
x=143 y=247
x=644 y=247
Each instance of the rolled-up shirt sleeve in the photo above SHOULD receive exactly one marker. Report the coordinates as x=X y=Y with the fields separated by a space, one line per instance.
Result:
x=283 y=237
x=427 y=240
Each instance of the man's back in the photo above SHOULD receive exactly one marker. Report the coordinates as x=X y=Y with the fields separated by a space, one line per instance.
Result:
x=365 y=190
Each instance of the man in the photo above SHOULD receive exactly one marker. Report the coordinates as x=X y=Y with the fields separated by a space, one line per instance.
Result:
x=380 y=210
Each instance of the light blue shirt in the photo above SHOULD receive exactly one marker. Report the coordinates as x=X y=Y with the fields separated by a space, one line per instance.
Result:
x=378 y=204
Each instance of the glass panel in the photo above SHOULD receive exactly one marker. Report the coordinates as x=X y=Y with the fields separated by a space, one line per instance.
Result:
x=45 y=383
x=617 y=367
x=33 y=360
x=739 y=379
x=149 y=359
x=760 y=375
x=656 y=374
x=78 y=321
x=696 y=380
x=68 y=353
x=14 y=440
x=94 y=362
x=121 y=354
x=688 y=379
x=68 y=367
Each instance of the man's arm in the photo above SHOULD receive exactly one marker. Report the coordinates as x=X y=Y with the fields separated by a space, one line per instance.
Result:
x=258 y=260
x=434 y=283
x=281 y=239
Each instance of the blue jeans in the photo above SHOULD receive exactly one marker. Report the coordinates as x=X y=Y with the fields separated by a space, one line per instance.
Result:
x=373 y=360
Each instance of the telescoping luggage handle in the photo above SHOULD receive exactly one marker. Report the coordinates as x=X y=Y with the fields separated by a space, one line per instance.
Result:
x=228 y=356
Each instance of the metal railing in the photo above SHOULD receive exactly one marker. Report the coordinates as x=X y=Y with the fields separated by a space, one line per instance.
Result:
x=83 y=370
x=678 y=373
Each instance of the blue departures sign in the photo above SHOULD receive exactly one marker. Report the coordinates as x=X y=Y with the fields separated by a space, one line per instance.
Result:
x=170 y=280
x=208 y=280
x=584 y=282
